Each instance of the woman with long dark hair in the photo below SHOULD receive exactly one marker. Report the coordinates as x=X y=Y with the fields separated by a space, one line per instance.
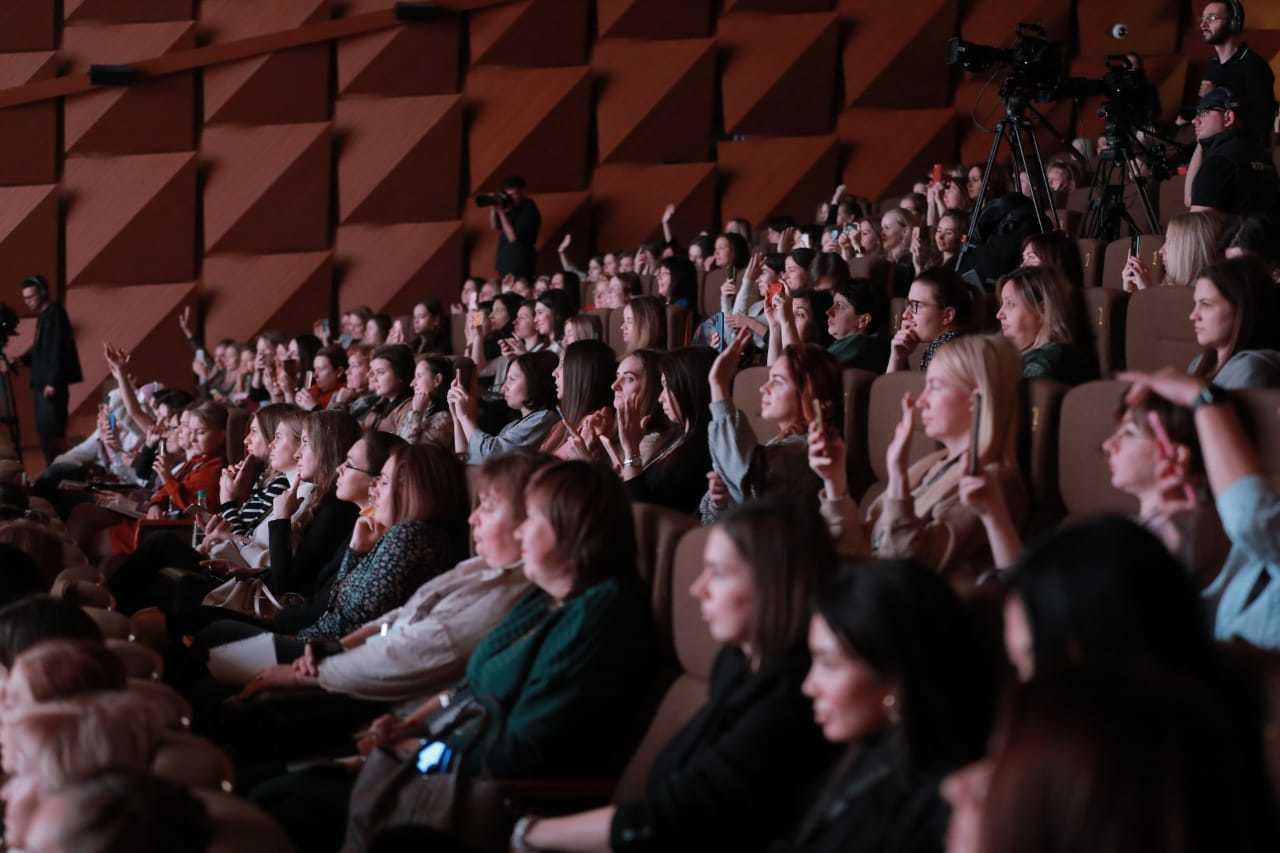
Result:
x=584 y=380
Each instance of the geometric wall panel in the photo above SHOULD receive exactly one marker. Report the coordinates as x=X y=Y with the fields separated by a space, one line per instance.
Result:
x=993 y=21
x=653 y=100
x=532 y=33
x=779 y=75
x=423 y=59
x=241 y=295
x=29 y=132
x=892 y=60
x=520 y=116
x=891 y=149
x=653 y=19
x=776 y=6
x=130 y=220
x=561 y=213
x=401 y=158
x=768 y=177
x=106 y=121
x=278 y=88
x=29 y=232
x=629 y=201
x=1153 y=26
x=28 y=25
x=389 y=267
x=267 y=188
x=127 y=11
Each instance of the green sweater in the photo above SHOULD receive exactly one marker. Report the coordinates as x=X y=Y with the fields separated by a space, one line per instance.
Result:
x=560 y=685
x=1061 y=362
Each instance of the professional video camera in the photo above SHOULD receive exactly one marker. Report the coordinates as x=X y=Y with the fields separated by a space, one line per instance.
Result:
x=1130 y=97
x=1037 y=65
x=8 y=324
x=498 y=199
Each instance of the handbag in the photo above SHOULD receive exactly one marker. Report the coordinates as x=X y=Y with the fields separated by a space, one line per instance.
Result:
x=250 y=596
x=390 y=791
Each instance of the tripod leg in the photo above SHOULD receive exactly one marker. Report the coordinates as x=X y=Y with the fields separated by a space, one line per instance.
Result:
x=1153 y=221
x=1020 y=157
x=1044 y=178
x=971 y=239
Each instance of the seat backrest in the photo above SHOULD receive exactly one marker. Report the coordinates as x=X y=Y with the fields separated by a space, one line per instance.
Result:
x=1104 y=317
x=1078 y=200
x=1135 y=207
x=746 y=397
x=679 y=327
x=695 y=648
x=613 y=331
x=596 y=318
x=857 y=399
x=1262 y=407
x=1038 y=439
x=658 y=532
x=1117 y=254
x=237 y=427
x=139 y=661
x=1084 y=478
x=897 y=307
x=113 y=624
x=709 y=291
x=876 y=269
x=1091 y=252
x=884 y=411
x=193 y=761
x=1171 y=201
x=458 y=332
x=1068 y=220
x=1157 y=331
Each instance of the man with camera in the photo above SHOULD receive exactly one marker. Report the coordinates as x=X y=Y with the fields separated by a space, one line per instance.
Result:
x=54 y=363
x=517 y=219
x=1235 y=174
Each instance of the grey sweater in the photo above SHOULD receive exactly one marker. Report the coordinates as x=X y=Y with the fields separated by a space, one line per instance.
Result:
x=1258 y=368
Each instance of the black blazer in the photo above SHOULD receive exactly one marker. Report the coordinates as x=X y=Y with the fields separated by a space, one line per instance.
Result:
x=53 y=357
x=735 y=777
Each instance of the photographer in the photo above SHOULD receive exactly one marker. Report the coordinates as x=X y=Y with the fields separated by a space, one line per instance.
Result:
x=518 y=220
x=54 y=364
x=1235 y=175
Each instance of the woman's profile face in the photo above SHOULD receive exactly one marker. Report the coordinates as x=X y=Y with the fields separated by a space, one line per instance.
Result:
x=515 y=390
x=1213 y=318
x=1018 y=322
x=383 y=379
x=524 y=326
x=726 y=591
x=255 y=441
x=358 y=373
x=924 y=314
x=670 y=405
x=493 y=528
x=382 y=494
x=946 y=409
x=628 y=327
x=537 y=551
x=323 y=374
x=631 y=381
x=499 y=316
x=284 y=449
x=354 y=480
x=780 y=394
x=1133 y=456
x=848 y=694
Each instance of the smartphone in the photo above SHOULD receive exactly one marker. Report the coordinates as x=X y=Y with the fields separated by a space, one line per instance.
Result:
x=306 y=379
x=477 y=319
x=434 y=757
x=1133 y=245
x=775 y=289
x=803 y=241
x=974 y=455
x=936 y=174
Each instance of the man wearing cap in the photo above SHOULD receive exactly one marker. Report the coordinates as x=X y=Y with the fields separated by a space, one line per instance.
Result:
x=1236 y=66
x=54 y=363
x=1235 y=174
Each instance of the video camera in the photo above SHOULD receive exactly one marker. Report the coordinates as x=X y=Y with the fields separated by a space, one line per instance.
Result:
x=1037 y=64
x=8 y=324
x=498 y=199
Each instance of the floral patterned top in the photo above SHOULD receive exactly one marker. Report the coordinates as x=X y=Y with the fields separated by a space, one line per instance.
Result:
x=368 y=585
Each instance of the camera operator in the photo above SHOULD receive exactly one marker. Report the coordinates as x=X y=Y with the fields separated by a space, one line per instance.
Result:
x=516 y=216
x=1235 y=174
x=54 y=364
x=1237 y=67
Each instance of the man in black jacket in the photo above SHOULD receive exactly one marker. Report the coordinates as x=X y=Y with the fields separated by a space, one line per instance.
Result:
x=517 y=221
x=1235 y=174
x=54 y=363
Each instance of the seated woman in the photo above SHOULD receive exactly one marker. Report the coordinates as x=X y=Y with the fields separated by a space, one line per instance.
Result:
x=675 y=474
x=559 y=677
x=922 y=514
x=804 y=386
x=529 y=390
x=939 y=309
x=761 y=564
x=423 y=646
x=355 y=397
x=430 y=329
x=550 y=312
x=644 y=324
x=390 y=376
x=412 y=535
x=635 y=388
x=1057 y=250
x=328 y=371
x=584 y=386
x=1191 y=245
x=247 y=489
x=580 y=327
x=1035 y=316
x=677 y=284
x=429 y=419
x=858 y=320
x=1236 y=320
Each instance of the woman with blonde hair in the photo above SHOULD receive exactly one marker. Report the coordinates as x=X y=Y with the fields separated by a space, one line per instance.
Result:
x=1191 y=245
x=579 y=327
x=924 y=514
x=1035 y=315
x=644 y=324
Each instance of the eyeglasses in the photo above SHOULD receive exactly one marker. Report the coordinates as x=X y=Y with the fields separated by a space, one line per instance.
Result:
x=1212 y=18
x=346 y=463
x=914 y=305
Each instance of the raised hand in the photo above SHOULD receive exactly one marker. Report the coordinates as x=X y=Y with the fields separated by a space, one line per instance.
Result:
x=565 y=243
x=1135 y=275
x=184 y=322
x=725 y=367
x=980 y=493
x=631 y=424
x=668 y=212
x=905 y=342
x=717 y=491
x=896 y=454
x=827 y=459
x=365 y=535
x=287 y=502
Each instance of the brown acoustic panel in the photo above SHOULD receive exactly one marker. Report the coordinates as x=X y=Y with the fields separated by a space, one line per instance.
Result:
x=561 y=213
x=975 y=98
x=401 y=159
x=28 y=25
x=654 y=99
x=537 y=33
x=148 y=329
x=992 y=22
x=30 y=132
x=896 y=61
x=267 y=188
x=653 y=19
x=278 y=88
x=1152 y=26
x=423 y=59
x=29 y=232
x=531 y=122
x=125 y=11
x=107 y=121
x=242 y=295
x=629 y=201
x=779 y=73
x=389 y=267
x=130 y=220
x=771 y=177
x=891 y=149
x=777 y=6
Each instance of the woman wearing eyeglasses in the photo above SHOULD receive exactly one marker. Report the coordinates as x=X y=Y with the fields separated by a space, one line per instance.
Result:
x=939 y=306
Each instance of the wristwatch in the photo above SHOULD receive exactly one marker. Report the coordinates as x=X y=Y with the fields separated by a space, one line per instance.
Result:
x=1211 y=395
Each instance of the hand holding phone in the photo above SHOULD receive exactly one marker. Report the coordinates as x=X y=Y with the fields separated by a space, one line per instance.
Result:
x=975 y=456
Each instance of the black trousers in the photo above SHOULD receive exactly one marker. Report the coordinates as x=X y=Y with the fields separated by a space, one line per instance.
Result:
x=51 y=421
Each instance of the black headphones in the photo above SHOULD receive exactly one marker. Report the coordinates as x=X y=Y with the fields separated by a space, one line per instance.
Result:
x=1235 y=23
x=39 y=283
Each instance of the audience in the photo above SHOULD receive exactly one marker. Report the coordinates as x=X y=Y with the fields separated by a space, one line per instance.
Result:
x=938 y=309
x=1236 y=320
x=1035 y=316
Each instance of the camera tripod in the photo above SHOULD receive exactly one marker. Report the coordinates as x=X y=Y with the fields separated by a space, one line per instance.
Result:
x=8 y=405
x=1118 y=169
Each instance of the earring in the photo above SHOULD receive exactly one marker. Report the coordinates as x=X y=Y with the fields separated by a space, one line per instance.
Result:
x=891 y=708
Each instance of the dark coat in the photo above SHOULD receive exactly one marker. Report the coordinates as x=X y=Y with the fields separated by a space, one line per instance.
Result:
x=53 y=357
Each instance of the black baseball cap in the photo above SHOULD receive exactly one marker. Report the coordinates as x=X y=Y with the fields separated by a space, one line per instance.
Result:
x=1220 y=98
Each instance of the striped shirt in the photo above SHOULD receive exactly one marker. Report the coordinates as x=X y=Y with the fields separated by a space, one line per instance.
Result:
x=244 y=517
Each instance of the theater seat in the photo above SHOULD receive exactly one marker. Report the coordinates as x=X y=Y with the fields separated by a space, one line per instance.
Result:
x=1091 y=252
x=746 y=397
x=139 y=661
x=1078 y=200
x=884 y=411
x=1171 y=199
x=1038 y=440
x=113 y=625
x=857 y=399
x=680 y=323
x=658 y=533
x=1117 y=254
x=695 y=652
x=597 y=319
x=877 y=270
x=1104 y=313
x=1084 y=479
x=1157 y=329
x=187 y=759
x=458 y=332
x=709 y=291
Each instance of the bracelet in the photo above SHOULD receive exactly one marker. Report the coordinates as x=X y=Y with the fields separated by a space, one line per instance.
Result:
x=631 y=462
x=518 y=834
